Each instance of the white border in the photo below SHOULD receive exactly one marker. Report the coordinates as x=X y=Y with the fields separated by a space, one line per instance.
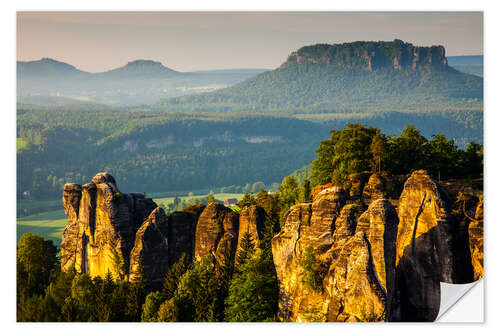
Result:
x=492 y=112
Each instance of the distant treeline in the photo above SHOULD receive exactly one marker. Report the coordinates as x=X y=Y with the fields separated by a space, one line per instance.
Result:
x=155 y=151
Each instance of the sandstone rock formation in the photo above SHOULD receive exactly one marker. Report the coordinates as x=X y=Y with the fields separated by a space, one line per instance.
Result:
x=181 y=234
x=102 y=223
x=476 y=240
x=306 y=225
x=251 y=221
x=429 y=249
x=357 y=182
x=384 y=264
x=379 y=186
x=360 y=281
x=216 y=232
x=151 y=249
x=371 y=56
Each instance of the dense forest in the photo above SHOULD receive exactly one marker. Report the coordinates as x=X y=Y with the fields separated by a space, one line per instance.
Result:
x=200 y=291
x=157 y=151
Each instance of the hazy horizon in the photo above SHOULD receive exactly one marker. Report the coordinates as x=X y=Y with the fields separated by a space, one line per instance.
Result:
x=190 y=41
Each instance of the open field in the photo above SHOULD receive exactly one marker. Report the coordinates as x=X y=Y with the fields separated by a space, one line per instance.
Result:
x=49 y=225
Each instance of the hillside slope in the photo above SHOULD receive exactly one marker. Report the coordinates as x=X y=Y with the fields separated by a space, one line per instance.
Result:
x=349 y=76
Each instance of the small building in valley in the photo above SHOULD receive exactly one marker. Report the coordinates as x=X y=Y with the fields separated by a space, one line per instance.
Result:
x=230 y=202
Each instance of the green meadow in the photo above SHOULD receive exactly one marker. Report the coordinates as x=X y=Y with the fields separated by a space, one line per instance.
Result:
x=49 y=225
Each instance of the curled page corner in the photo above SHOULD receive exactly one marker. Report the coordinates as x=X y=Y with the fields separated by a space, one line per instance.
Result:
x=462 y=302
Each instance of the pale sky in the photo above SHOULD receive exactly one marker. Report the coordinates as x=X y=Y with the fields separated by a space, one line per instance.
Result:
x=187 y=41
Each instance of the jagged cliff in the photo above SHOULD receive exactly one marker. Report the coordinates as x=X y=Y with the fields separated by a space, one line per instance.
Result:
x=384 y=264
x=368 y=254
x=128 y=235
x=102 y=223
x=370 y=56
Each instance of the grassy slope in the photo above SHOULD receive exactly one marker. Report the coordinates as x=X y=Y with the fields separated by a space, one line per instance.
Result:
x=49 y=225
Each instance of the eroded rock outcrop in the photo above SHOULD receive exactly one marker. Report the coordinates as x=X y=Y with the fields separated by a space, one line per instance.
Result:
x=216 y=232
x=307 y=226
x=357 y=182
x=149 y=256
x=102 y=223
x=251 y=221
x=360 y=281
x=476 y=241
x=383 y=264
x=379 y=186
x=371 y=56
x=181 y=234
x=429 y=249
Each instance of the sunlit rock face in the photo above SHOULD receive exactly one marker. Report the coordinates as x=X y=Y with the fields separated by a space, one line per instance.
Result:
x=102 y=223
x=381 y=264
x=430 y=249
x=354 y=257
x=476 y=242
x=360 y=280
x=216 y=232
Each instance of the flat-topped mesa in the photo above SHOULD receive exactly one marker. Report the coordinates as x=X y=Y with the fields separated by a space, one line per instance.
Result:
x=102 y=224
x=370 y=56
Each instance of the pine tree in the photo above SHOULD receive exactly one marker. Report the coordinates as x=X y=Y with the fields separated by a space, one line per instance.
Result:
x=246 y=249
x=378 y=150
x=247 y=200
x=174 y=274
x=253 y=292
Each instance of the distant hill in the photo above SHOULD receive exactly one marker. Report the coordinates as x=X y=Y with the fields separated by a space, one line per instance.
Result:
x=47 y=68
x=140 y=69
x=467 y=64
x=347 y=77
x=138 y=82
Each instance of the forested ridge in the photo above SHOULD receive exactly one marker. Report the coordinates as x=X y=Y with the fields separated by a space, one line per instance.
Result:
x=156 y=151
